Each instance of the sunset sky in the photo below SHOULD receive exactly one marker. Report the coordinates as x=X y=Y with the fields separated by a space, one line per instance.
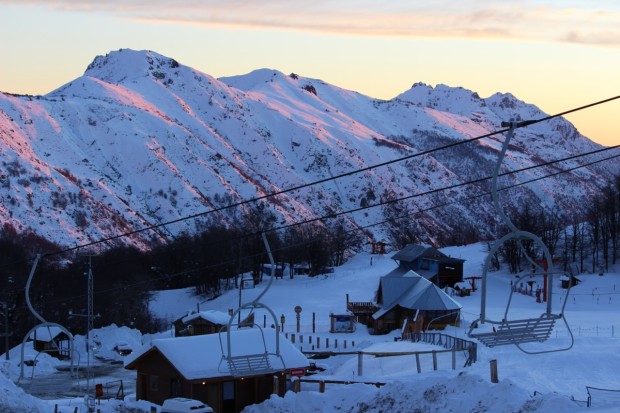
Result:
x=555 y=54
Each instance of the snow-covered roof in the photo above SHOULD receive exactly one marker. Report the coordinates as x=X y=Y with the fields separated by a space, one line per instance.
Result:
x=198 y=357
x=462 y=285
x=414 y=292
x=410 y=252
x=214 y=316
x=46 y=333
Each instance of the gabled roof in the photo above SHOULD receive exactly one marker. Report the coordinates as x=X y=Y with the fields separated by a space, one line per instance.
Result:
x=412 y=252
x=45 y=333
x=199 y=357
x=413 y=292
x=213 y=316
x=395 y=283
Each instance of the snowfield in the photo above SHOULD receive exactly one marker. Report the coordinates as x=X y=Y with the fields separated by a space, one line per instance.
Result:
x=549 y=382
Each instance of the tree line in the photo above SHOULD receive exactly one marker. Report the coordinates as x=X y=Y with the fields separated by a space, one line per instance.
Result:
x=222 y=248
x=124 y=276
x=582 y=243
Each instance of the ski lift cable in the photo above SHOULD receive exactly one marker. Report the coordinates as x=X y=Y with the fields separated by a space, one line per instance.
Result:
x=342 y=175
x=456 y=201
x=382 y=222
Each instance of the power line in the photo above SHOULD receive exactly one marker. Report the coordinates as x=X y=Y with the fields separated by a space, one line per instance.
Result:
x=461 y=200
x=342 y=175
x=461 y=184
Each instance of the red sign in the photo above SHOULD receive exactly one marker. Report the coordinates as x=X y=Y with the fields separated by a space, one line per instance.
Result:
x=298 y=372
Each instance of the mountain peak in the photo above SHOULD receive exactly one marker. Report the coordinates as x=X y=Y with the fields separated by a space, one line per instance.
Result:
x=140 y=139
x=120 y=65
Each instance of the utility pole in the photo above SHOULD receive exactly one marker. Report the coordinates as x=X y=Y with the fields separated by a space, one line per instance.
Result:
x=89 y=314
x=89 y=305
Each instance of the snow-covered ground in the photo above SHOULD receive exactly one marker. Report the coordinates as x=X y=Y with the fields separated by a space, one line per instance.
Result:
x=548 y=382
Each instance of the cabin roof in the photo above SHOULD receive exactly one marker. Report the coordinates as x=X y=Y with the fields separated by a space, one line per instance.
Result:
x=203 y=356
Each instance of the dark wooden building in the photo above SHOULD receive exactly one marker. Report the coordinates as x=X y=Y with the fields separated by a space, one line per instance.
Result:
x=405 y=300
x=51 y=340
x=196 y=323
x=195 y=367
x=431 y=264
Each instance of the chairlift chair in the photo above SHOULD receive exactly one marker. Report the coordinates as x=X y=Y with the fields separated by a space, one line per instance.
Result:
x=527 y=330
x=43 y=323
x=258 y=363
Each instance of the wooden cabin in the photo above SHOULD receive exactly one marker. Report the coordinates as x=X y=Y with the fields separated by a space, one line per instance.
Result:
x=196 y=368
x=196 y=323
x=51 y=340
x=431 y=264
x=405 y=300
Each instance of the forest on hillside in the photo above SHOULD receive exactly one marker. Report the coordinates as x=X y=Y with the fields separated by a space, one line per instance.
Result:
x=212 y=259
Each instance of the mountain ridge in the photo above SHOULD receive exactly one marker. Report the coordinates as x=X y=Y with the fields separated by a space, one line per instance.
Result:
x=141 y=140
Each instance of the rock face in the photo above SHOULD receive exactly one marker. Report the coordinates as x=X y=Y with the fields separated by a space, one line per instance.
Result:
x=141 y=140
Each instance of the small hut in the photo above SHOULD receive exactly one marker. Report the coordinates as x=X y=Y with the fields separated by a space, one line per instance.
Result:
x=51 y=340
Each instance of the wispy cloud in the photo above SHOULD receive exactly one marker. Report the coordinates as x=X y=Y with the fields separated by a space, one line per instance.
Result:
x=595 y=22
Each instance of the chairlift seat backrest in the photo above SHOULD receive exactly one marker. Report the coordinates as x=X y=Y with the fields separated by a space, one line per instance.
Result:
x=254 y=364
x=529 y=330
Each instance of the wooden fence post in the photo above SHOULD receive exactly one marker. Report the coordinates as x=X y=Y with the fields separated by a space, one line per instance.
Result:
x=494 y=377
x=434 y=360
x=322 y=386
x=360 y=363
x=417 y=362
x=453 y=360
x=313 y=322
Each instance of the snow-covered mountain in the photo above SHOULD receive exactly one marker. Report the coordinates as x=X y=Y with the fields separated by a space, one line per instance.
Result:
x=141 y=140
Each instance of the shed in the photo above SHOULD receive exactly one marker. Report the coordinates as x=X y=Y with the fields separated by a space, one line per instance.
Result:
x=195 y=367
x=195 y=323
x=569 y=282
x=51 y=340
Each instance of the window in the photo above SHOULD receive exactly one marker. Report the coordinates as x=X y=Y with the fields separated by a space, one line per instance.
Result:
x=154 y=383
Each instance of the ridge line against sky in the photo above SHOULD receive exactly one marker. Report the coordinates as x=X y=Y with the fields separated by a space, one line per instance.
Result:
x=553 y=54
